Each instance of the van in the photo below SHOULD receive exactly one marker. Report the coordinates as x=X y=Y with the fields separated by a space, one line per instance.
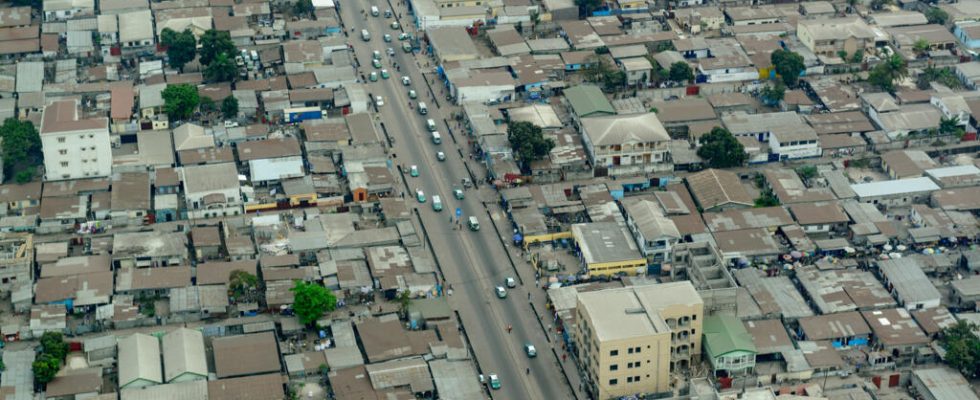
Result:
x=423 y=109
x=374 y=11
x=474 y=224
x=436 y=203
x=436 y=138
x=365 y=35
x=431 y=125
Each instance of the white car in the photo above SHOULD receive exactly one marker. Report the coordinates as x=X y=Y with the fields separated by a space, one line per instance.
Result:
x=379 y=101
x=441 y=156
x=406 y=81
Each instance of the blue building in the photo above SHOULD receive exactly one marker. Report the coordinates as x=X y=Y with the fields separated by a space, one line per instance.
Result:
x=968 y=33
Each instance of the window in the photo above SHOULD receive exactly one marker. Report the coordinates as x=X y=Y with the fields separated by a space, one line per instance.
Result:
x=638 y=349
x=636 y=378
x=694 y=317
x=63 y=151
x=64 y=163
x=61 y=140
x=630 y=350
x=613 y=353
x=613 y=382
x=629 y=379
x=614 y=367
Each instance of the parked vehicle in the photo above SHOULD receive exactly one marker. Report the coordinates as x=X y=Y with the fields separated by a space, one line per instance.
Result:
x=474 y=223
x=365 y=35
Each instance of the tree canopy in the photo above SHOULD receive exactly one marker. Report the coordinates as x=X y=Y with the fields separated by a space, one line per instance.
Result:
x=528 y=141
x=45 y=368
x=21 y=149
x=301 y=7
x=788 y=65
x=936 y=15
x=214 y=42
x=720 y=148
x=311 y=300
x=180 y=100
x=962 y=348
x=221 y=69
x=599 y=70
x=229 y=107
x=773 y=94
x=53 y=343
x=887 y=72
x=243 y=286
x=681 y=71
x=181 y=46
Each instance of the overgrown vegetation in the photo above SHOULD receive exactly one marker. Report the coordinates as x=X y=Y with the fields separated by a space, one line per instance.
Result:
x=21 y=149
x=788 y=65
x=180 y=101
x=962 y=348
x=943 y=76
x=721 y=150
x=53 y=351
x=887 y=72
x=528 y=141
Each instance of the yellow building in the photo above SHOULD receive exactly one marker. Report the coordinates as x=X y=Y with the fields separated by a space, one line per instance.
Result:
x=608 y=249
x=628 y=340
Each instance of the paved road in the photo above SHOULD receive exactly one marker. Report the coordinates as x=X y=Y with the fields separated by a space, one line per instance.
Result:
x=473 y=262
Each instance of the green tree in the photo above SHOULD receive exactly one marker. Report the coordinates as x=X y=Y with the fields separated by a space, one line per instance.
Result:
x=720 y=148
x=921 y=47
x=206 y=105
x=614 y=79
x=303 y=7
x=221 y=69
x=773 y=94
x=665 y=45
x=807 y=172
x=681 y=71
x=944 y=76
x=842 y=54
x=229 y=107
x=404 y=300
x=53 y=343
x=858 y=56
x=788 y=65
x=181 y=47
x=766 y=199
x=962 y=348
x=243 y=286
x=215 y=42
x=311 y=300
x=585 y=7
x=936 y=15
x=949 y=126
x=180 y=100
x=21 y=148
x=887 y=72
x=45 y=368
x=528 y=141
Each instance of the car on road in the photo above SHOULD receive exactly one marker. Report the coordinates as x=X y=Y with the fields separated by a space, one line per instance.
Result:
x=407 y=47
x=379 y=101
x=390 y=51
x=436 y=203
x=474 y=223
x=420 y=196
x=458 y=194
x=384 y=74
x=376 y=63
x=387 y=37
x=403 y=36
x=413 y=171
x=373 y=76
x=412 y=94
x=494 y=382
x=395 y=25
x=510 y=282
x=440 y=156
x=501 y=292
x=406 y=81
x=375 y=55
x=387 y=13
x=467 y=183
x=530 y=350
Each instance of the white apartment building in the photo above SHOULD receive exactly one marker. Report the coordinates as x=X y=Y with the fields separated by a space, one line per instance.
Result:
x=73 y=147
x=627 y=144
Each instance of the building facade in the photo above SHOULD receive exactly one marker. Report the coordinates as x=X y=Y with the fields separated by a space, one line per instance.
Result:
x=74 y=147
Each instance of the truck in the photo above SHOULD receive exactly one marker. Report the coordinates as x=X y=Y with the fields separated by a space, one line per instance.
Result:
x=293 y=115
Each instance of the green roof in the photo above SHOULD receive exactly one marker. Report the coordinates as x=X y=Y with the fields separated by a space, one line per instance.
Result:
x=724 y=334
x=588 y=100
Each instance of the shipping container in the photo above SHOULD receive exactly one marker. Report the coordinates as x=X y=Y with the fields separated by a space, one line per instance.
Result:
x=302 y=114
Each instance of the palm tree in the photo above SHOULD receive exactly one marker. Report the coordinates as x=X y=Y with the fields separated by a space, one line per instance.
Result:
x=949 y=125
x=897 y=67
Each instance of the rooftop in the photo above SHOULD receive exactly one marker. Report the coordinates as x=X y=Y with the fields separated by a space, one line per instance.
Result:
x=634 y=311
x=246 y=354
x=603 y=242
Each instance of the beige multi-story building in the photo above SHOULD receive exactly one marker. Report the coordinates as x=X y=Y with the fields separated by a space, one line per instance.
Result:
x=627 y=144
x=828 y=36
x=628 y=340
